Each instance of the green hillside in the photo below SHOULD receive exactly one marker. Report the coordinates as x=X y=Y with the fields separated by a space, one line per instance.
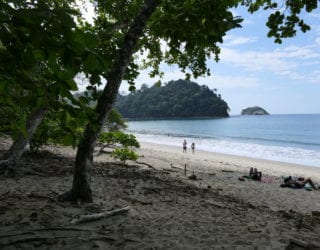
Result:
x=176 y=99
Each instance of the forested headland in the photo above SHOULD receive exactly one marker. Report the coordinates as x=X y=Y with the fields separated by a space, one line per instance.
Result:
x=175 y=99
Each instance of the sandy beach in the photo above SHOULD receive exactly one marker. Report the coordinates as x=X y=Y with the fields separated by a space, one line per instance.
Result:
x=168 y=210
x=223 y=171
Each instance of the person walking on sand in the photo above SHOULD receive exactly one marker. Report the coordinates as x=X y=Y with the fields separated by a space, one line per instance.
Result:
x=193 y=146
x=184 y=146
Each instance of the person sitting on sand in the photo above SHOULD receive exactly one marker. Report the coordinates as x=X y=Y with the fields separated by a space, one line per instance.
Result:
x=298 y=183
x=255 y=174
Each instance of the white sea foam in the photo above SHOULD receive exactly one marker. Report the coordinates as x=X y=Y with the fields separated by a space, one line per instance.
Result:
x=268 y=152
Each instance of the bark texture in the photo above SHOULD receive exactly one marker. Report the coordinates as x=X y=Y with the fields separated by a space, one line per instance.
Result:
x=13 y=156
x=81 y=189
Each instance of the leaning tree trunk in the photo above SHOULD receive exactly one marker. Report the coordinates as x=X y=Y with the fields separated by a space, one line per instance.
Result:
x=81 y=189
x=13 y=156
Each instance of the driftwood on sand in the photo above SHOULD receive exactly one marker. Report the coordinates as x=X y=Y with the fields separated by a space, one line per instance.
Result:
x=98 y=216
x=144 y=163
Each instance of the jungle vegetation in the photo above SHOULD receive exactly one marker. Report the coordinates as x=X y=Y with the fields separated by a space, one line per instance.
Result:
x=176 y=99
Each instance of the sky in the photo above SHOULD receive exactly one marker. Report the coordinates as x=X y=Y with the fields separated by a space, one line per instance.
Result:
x=254 y=71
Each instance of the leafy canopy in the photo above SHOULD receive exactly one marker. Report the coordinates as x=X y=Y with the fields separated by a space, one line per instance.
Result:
x=188 y=32
x=44 y=44
x=42 y=49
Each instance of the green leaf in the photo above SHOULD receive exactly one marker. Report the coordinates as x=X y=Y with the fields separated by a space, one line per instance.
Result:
x=91 y=64
x=39 y=54
x=68 y=140
x=72 y=85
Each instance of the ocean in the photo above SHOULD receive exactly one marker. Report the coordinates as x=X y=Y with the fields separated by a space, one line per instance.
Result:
x=293 y=138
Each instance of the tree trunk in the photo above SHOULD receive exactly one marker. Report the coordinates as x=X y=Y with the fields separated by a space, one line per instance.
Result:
x=82 y=173
x=13 y=156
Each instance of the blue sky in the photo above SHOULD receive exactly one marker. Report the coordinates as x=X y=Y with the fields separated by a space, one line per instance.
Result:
x=253 y=70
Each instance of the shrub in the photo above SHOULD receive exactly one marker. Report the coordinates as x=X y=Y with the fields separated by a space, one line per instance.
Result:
x=124 y=154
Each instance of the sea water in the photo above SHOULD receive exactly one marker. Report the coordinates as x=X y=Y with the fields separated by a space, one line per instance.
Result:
x=286 y=138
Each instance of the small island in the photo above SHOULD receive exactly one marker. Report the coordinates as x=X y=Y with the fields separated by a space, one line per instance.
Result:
x=172 y=100
x=254 y=111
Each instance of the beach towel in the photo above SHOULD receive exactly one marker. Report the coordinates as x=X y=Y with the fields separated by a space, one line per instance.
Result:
x=268 y=180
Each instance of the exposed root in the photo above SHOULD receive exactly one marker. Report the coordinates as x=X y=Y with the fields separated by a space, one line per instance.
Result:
x=143 y=163
x=76 y=197
x=98 y=216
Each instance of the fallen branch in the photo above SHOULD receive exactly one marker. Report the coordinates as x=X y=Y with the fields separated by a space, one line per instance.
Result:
x=143 y=163
x=169 y=170
x=176 y=167
x=227 y=171
x=98 y=216
x=209 y=202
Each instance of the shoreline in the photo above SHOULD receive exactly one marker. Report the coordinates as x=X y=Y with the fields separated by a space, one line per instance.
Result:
x=283 y=154
x=229 y=161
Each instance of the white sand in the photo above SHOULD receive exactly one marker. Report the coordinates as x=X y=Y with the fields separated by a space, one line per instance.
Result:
x=206 y=161
x=213 y=169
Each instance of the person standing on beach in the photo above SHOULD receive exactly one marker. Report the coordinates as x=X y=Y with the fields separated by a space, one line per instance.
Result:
x=193 y=146
x=184 y=146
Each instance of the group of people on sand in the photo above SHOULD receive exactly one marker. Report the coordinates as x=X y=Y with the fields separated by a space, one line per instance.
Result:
x=289 y=182
x=256 y=175
x=184 y=146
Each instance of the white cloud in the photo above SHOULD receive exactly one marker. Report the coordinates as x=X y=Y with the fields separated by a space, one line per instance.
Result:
x=255 y=60
x=303 y=53
x=285 y=62
x=227 y=82
x=314 y=77
x=238 y=40
x=214 y=81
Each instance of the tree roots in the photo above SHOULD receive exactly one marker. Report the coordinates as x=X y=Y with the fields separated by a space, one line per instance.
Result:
x=73 y=196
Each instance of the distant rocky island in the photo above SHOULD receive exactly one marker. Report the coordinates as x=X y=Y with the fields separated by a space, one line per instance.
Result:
x=254 y=111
